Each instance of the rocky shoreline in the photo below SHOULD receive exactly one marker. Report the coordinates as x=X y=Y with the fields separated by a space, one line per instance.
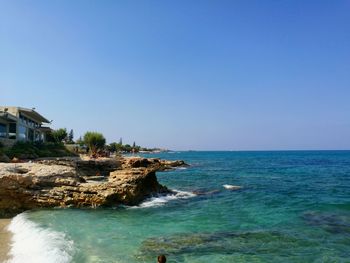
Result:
x=76 y=182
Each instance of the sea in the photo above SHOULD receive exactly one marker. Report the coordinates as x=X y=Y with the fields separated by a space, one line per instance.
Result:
x=290 y=206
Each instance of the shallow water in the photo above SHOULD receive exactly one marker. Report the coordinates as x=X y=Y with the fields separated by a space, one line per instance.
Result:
x=293 y=207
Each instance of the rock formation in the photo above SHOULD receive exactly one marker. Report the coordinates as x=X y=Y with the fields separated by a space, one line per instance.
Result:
x=78 y=183
x=154 y=163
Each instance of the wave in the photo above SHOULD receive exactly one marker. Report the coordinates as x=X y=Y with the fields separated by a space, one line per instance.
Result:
x=232 y=187
x=161 y=200
x=34 y=244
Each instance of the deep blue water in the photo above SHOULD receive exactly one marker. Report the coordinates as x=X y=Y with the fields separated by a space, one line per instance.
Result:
x=293 y=207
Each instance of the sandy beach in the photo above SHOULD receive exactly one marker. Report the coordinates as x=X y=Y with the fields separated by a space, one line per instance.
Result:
x=5 y=237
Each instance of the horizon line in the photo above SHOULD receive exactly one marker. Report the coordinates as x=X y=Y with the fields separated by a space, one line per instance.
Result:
x=284 y=150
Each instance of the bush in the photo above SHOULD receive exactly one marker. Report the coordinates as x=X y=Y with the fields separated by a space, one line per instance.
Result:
x=22 y=150
x=95 y=141
x=3 y=156
x=29 y=150
x=59 y=135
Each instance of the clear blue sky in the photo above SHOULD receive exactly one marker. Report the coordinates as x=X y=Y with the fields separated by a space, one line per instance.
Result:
x=204 y=75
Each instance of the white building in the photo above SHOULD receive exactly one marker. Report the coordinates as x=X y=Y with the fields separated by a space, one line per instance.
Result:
x=21 y=124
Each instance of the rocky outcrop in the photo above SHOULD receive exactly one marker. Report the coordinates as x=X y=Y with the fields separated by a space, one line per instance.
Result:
x=86 y=167
x=154 y=163
x=69 y=182
x=136 y=184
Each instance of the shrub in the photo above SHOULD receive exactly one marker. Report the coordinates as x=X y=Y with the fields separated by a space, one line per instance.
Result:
x=22 y=150
x=29 y=150
x=95 y=141
x=59 y=135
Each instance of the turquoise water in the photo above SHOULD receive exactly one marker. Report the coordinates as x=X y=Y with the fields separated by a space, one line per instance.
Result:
x=293 y=207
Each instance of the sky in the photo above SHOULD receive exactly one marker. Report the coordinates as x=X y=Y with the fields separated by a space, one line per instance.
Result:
x=183 y=75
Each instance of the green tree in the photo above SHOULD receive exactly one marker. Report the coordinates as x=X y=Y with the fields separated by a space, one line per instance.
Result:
x=71 y=136
x=127 y=148
x=59 y=135
x=95 y=141
x=113 y=147
x=135 y=148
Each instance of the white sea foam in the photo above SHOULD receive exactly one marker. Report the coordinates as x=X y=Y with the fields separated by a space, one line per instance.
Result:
x=34 y=244
x=231 y=187
x=161 y=200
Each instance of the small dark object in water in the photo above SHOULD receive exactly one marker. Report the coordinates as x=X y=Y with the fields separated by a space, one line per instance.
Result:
x=161 y=259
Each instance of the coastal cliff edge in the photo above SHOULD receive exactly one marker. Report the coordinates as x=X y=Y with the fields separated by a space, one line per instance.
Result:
x=74 y=182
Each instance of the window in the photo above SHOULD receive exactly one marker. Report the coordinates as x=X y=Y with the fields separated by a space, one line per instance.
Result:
x=22 y=133
x=31 y=135
x=3 y=130
x=21 y=118
x=37 y=136
x=12 y=130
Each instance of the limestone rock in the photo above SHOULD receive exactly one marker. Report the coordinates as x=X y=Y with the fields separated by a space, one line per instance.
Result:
x=154 y=163
x=26 y=186
x=86 y=167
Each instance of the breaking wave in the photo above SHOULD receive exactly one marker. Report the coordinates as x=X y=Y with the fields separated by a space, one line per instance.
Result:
x=34 y=244
x=161 y=200
x=232 y=187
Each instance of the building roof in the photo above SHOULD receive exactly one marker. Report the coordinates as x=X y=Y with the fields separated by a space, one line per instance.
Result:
x=7 y=116
x=33 y=114
x=45 y=129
